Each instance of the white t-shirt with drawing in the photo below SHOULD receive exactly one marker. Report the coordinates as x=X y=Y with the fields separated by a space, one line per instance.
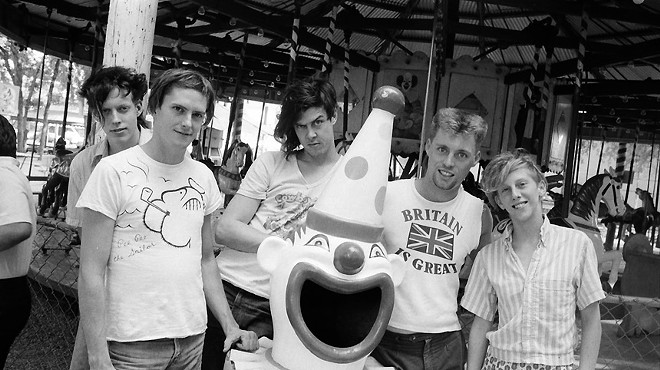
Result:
x=285 y=198
x=154 y=279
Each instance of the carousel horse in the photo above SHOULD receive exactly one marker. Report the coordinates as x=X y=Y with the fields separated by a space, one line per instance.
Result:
x=583 y=216
x=234 y=167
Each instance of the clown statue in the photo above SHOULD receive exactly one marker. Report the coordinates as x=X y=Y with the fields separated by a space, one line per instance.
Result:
x=332 y=292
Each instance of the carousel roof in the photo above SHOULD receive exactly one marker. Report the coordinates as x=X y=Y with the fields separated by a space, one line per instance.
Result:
x=622 y=47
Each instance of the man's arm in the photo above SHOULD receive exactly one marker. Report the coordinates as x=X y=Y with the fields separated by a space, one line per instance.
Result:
x=591 y=332
x=216 y=299
x=484 y=240
x=14 y=233
x=73 y=214
x=477 y=343
x=233 y=230
x=94 y=256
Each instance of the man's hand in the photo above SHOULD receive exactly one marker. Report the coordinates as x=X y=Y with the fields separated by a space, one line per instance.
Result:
x=245 y=340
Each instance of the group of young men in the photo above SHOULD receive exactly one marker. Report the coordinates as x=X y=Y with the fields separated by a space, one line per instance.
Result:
x=149 y=281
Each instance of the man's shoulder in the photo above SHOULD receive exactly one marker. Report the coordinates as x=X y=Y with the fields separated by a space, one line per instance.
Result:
x=86 y=155
x=399 y=184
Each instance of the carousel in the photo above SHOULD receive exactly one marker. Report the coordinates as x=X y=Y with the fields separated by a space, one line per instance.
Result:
x=565 y=80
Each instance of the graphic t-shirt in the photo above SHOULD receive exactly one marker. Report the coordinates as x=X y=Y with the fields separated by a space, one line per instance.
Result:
x=154 y=278
x=433 y=238
x=285 y=199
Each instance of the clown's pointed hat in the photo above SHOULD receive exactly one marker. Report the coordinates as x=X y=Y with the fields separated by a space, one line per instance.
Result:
x=351 y=205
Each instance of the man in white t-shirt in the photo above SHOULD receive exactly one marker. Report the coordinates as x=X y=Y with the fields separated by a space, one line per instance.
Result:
x=115 y=97
x=433 y=223
x=147 y=263
x=18 y=220
x=273 y=199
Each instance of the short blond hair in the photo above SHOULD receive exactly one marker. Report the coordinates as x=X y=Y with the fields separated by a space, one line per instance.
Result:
x=502 y=166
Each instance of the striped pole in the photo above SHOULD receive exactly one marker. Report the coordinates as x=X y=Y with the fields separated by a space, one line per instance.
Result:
x=620 y=160
x=581 y=46
x=347 y=67
x=238 y=121
x=328 y=40
x=630 y=176
x=293 y=51
x=529 y=123
x=568 y=182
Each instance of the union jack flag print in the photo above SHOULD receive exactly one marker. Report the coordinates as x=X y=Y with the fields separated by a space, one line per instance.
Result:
x=431 y=241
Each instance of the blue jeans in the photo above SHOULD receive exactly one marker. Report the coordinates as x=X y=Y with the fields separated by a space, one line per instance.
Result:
x=166 y=354
x=250 y=311
x=421 y=351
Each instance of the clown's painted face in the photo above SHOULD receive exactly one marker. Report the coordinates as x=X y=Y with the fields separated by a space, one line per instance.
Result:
x=331 y=297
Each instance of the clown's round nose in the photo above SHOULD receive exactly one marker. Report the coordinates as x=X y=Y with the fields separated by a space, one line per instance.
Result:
x=349 y=258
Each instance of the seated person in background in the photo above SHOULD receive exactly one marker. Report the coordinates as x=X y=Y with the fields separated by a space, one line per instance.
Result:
x=640 y=279
x=638 y=241
x=58 y=182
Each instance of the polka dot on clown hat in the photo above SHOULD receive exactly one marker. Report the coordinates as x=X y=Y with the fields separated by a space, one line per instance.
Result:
x=356 y=191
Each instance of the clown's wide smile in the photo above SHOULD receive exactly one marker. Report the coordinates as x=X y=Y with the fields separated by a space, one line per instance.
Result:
x=338 y=320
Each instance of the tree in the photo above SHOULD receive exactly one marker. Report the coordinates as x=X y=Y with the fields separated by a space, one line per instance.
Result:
x=49 y=100
x=20 y=67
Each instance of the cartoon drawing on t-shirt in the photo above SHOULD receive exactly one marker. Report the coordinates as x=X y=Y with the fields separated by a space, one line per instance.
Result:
x=289 y=223
x=163 y=215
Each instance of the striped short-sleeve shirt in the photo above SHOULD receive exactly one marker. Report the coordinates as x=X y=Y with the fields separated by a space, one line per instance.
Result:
x=536 y=307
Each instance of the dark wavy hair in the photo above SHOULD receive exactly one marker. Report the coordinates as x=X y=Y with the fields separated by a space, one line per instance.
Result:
x=7 y=138
x=298 y=97
x=101 y=82
x=185 y=79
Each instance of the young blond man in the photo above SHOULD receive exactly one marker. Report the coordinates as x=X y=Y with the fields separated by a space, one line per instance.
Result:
x=534 y=276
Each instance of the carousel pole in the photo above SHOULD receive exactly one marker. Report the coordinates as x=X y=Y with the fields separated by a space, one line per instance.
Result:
x=437 y=50
x=41 y=83
x=578 y=157
x=618 y=173
x=648 y=182
x=657 y=194
x=328 y=41
x=347 y=71
x=261 y=120
x=129 y=38
x=602 y=147
x=237 y=87
x=293 y=51
x=68 y=84
x=591 y=141
x=630 y=176
x=528 y=132
x=98 y=39
x=568 y=177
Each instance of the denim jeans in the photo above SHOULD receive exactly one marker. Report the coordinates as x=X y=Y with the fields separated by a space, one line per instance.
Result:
x=165 y=354
x=422 y=351
x=250 y=311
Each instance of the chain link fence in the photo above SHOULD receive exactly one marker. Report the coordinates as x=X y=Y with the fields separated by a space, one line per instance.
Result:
x=630 y=339
x=47 y=340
